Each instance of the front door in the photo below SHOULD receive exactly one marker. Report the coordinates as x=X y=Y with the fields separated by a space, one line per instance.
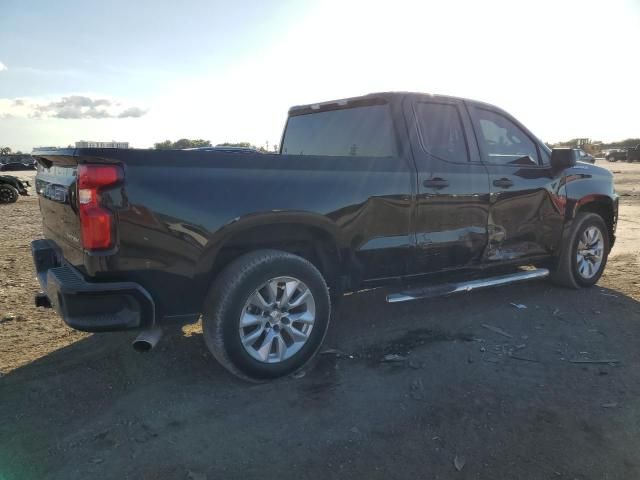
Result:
x=525 y=216
x=451 y=215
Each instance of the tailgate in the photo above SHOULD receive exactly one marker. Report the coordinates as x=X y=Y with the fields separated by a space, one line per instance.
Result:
x=56 y=189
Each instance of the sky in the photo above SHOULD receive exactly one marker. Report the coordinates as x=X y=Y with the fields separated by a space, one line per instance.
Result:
x=227 y=71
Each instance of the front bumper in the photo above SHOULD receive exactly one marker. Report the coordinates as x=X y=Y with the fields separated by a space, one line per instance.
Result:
x=89 y=306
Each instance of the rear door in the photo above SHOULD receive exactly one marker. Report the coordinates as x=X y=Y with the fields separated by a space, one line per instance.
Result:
x=453 y=187
x=525 y=218
x=353 y=153
x=56 y=189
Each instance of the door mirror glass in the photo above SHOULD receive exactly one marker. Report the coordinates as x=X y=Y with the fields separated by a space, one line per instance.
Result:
x=562 y=158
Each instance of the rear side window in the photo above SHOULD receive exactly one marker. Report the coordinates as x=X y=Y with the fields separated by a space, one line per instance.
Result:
x=504 y=142
x=441 y=131
x=354 y=132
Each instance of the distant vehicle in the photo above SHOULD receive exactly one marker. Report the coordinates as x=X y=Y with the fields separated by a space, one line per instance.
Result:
x=14 y=167
x=11 y=187
x=585 y=157
x=633 y=154
x=616 y=154
x=223 y=149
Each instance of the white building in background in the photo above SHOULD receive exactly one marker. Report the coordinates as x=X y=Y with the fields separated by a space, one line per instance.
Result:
x=112 y=144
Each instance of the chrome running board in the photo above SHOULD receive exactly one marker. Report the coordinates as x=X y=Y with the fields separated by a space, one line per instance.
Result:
x=449 y=288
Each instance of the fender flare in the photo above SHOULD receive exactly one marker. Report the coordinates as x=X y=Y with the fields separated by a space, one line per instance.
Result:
x=273 y=218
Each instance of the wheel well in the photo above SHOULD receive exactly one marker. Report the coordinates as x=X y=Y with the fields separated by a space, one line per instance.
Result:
x=311 y=243
x=604 y=209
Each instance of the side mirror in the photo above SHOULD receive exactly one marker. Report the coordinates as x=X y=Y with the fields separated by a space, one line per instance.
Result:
x=562 y=158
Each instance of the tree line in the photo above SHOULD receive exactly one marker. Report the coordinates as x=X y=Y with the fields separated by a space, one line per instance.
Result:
x=627 y=143
x=8 y=151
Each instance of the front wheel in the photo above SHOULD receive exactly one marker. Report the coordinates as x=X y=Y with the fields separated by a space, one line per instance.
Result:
x=584 y=257
x=8 y=194
x=266 y=314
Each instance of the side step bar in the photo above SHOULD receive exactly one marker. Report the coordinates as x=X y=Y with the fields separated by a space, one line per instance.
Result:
x=449 y=288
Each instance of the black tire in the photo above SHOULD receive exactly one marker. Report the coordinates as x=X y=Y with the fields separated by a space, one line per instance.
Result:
x=228 y=296
x=8 y=194
x=567 y=272
x=611 y=158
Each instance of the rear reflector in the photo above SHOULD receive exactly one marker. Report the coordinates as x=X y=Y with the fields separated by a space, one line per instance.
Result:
x=96 y=222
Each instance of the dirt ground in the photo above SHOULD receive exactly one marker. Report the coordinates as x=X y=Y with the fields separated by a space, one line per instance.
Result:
x=512 y=401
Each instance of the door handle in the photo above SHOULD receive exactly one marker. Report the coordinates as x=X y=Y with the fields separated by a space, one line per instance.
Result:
x=436 y=183
x=503 y=183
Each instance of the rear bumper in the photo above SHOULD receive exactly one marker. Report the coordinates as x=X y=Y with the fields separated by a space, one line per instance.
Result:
x=88 y=306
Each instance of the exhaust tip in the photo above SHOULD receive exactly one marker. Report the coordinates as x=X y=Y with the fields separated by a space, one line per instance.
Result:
x=41 y=300
x=142 y=346
x=147 y=339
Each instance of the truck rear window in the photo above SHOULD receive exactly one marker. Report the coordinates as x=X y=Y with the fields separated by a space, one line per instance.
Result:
x=365 y=131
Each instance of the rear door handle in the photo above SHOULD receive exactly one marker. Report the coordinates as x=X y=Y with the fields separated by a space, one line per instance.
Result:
x=436 y=183
x=503 y=183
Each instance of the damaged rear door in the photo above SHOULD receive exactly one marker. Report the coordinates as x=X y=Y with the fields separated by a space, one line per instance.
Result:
x=525 y=215
x=452 y=207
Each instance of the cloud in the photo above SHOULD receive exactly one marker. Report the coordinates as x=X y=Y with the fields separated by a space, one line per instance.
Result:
x=132 y=112
x=2 y=67
x=72 y=107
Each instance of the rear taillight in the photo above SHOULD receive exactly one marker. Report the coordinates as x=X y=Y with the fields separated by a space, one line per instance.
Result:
x=96 y=221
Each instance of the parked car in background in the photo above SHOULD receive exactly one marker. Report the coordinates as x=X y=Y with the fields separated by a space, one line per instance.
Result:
x=616 y=154
x=585 y=157
x=11 y=187
x=633 y=154
x=224 y=149
x=386 y=189
x=15 y=166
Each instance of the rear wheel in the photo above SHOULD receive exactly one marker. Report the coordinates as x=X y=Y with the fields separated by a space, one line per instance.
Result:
x=8 y=194
x=584 y=257
x=266 y=314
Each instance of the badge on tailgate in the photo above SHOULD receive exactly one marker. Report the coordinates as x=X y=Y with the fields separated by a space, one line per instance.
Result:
x=57 y=193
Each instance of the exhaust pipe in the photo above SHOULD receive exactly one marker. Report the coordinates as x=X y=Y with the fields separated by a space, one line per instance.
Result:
x=147 y=339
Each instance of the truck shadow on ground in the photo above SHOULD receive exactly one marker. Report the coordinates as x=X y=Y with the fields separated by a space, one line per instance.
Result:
x=412 y=385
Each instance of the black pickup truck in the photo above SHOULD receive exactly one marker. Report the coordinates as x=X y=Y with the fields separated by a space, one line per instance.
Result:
x=425 y=194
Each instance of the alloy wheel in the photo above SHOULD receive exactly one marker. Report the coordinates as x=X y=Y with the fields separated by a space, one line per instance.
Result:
x=277 y=319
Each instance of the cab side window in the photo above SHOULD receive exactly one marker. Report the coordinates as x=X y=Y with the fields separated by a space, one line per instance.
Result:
x=365 y=131
x=504 y=142
x=441 y=131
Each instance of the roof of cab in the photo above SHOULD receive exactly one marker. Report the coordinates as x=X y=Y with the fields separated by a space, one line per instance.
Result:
x=373 y=97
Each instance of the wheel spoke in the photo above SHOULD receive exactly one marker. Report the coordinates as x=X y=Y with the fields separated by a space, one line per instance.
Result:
x=303 y=317
x=582 y=267
x=249 y=319
x=289 y=289
x=250 y=339
x=265 y=348
x=295 y=334
x=300 y=300
x=281 y=347
x=257 y=300
x=272 y=290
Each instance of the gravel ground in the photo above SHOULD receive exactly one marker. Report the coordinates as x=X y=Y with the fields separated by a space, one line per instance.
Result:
x=514 y=400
